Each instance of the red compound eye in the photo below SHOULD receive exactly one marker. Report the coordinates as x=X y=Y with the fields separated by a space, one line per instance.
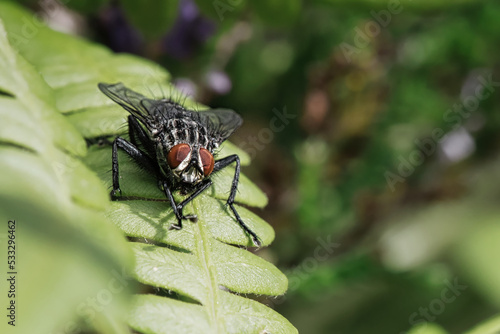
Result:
x=177 y=154
x=207 y=160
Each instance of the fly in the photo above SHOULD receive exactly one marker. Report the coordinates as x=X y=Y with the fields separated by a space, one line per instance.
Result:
x=177 y=145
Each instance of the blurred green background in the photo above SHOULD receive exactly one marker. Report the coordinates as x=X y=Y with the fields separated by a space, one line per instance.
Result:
x=374 y=130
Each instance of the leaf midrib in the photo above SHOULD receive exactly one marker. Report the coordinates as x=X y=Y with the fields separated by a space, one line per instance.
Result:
x=203 y=251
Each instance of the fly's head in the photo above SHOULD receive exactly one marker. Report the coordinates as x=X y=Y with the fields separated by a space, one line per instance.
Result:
x=190 y=164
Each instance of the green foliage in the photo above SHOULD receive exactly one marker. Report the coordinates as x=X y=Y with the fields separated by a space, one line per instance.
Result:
x=152 y=17
x=357 y=116
x=63 y=240
x=201 y=263
x=491 y=326
x=222 y=10
x=421 y=5
x=86 y=7
x=277 y=12
x=427 y=329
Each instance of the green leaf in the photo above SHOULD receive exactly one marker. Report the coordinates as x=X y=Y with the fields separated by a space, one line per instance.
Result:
x=427 y=328
x=236 y=315
x=190 y=273
x=151 y=220
x=490 y=326
x=477 y=256
x=204 y=263
x=62 y=239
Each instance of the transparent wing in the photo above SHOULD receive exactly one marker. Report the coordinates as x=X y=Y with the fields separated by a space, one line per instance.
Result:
x=221 y=123
x=135 y=103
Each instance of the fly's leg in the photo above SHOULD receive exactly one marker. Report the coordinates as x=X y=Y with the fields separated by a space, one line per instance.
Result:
x=168 y=193
x=200 y=187
x=220 y=164
x=139 y=157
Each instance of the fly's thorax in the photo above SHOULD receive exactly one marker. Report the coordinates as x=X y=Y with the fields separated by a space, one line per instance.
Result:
x=154 y=132
x=188 y=130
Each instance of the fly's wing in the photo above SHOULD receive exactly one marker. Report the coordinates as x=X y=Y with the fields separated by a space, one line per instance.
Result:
x=221 y=123
x=135 y=103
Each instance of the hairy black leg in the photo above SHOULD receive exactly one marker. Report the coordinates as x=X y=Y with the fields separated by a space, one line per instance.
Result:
x=200 y=187
x=178 y=215
x=139 y=157
x=114 y=168
x=222 y=163
x=254 y=236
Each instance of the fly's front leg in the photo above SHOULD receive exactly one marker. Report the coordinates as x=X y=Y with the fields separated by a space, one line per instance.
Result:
x=200 y=187
x=178 y=214
x=220 y=164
